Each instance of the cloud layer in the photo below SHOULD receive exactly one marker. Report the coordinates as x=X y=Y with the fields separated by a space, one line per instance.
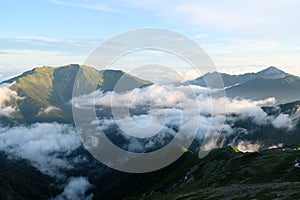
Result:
x=167 y=109
x=47 y=146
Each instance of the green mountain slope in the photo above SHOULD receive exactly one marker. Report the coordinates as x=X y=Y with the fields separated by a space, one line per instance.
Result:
x=224 y=174
x=46 y=91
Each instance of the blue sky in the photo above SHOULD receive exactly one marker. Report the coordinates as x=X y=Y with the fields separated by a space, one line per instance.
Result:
x=239 y=36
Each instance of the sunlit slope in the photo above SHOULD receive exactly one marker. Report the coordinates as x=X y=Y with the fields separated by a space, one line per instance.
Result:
x=45 y=92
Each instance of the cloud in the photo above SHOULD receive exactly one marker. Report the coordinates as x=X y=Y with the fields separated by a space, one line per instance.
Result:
x=213 y=144
x=189 y=108
x=76 y=189
x=240 y=33
x=5 y=95
x=81 y=4
x=48 y=110
x=283 y=121
x=276 y=146
x=39 y=38
x=45 y=145
x=29 y=58
x=246 y=146
x=191 y=75
x=231 y=16
x=153 y=95
x=201 y=35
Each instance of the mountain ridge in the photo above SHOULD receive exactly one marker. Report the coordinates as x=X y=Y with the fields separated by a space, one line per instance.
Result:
x=231 y=80
x=270 y=82
x=45 y=91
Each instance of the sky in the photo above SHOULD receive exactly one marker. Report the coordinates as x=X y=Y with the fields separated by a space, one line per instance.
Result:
x=239 y=36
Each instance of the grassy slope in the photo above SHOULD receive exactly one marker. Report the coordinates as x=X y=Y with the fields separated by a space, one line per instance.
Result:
x=43 y=87
x=227 y=175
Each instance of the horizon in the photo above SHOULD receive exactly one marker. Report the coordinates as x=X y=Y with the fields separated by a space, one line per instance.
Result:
x=5 y=78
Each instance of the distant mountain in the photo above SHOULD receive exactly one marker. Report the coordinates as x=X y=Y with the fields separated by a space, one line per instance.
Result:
x=46 y=91
x=284 y=89
x=271 y=82
x=232 y=80
x=272 y=73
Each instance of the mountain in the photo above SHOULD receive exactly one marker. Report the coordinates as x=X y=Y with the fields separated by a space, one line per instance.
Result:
x=232 y=80
x=44 y=95
x=271 y=82
x=45 y=92
x=19 y=180
x=283 y=89
x=223 y=174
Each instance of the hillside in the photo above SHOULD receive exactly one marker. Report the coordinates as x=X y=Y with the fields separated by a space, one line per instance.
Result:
x=45 y=92
x=223 y=174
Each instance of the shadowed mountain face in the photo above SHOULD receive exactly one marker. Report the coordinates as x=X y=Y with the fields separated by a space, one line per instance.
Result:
x=270 y=82
x=284 y=89
x=45 y=92
x=232 y=80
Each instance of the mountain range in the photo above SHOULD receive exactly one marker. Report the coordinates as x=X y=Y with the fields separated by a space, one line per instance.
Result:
x=44 y=95
x=45 y=92
x=271 y=82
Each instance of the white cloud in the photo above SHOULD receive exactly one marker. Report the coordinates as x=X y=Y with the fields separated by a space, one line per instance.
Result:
x=191 y=75
x=252 y=18
x=5 y=95
x=168 y=102
x=27 y=59
x=154 y=95
x=76 y=189
x=168 y=108
x=246 y=146
x=262 y=33
x=39 y=38
x=45 y=145
x=276 y=146
x=48 y=110
x=201 y=35
x=81 y=4
x=283 y=121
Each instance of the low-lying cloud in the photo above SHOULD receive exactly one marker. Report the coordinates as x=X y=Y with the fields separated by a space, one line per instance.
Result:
x=248 y=147
x=5 y=95
x=183 y=107
x=48 y=110
x=45 y=145
x=76 y=189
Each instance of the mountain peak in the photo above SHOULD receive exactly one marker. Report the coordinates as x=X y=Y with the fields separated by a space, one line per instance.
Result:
x=272 y=73
x=272 y=69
